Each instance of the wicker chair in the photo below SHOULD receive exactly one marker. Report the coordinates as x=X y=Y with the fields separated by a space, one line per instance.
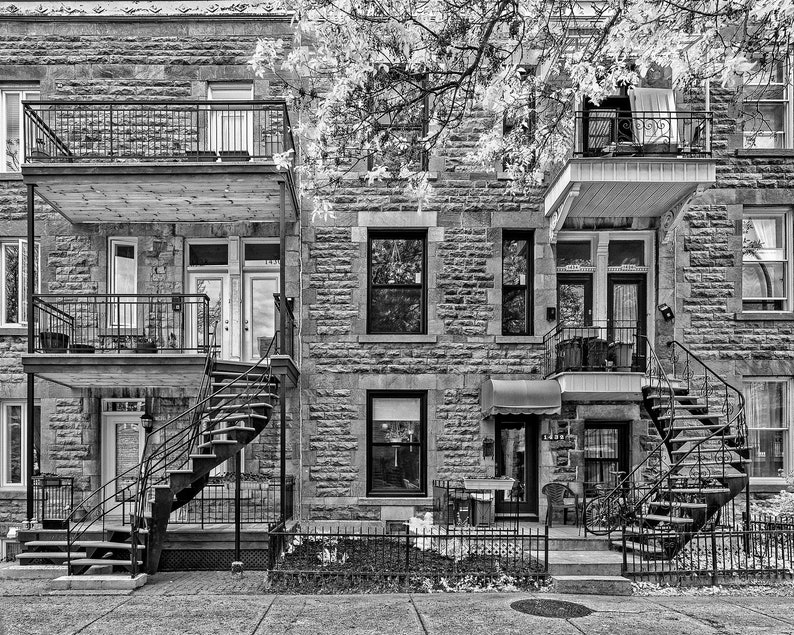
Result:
x=556 y=496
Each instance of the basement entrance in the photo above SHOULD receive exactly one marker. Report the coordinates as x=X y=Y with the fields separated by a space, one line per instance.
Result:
x=517 y=458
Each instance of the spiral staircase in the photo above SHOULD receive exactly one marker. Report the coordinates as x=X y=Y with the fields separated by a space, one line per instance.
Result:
x=121 y=527
x=686 y=483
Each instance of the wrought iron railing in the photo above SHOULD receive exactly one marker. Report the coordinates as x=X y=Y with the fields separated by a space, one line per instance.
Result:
x=610 y=346
x=53 y=500
x=611 y=132
x=103 y=323
x=260 y=502
x=103 y=131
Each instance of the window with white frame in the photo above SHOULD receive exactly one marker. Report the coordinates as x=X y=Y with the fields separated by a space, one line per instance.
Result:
x=768 y=410
x=11 y=130
x=766 y=259
x=766 y=106
x=14 y=274
x=13 y=441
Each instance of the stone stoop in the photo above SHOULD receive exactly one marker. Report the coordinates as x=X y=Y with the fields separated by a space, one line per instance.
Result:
x=592 y=584
x=112 y=582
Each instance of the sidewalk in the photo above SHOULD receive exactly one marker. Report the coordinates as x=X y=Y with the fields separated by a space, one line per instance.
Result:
x=217 y=603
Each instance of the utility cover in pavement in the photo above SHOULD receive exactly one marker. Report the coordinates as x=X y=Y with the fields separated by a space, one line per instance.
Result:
x=551 y=608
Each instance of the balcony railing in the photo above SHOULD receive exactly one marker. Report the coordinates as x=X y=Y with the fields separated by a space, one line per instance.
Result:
x=611 y=132
x=105 y=323
x=204 y=131
x=616 y=346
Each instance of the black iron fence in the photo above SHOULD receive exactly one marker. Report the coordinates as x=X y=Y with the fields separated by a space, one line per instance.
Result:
x=715 y=554
x=205 y=131
x=613 y=346
x=175 y=322
x=53 y=500
x=613 y=132
x=425 y=551
x=260 y=502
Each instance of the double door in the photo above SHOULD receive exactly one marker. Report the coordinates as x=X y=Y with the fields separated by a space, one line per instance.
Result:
x=241 y=310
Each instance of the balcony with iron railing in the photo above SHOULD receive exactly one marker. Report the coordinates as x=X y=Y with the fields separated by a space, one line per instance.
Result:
x=96 y=161
x=598 y=358
x=632 y=164
x=141 y=340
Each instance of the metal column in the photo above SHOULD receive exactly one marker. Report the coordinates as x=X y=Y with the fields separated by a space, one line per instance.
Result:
x=282 y=392
x=31 y=393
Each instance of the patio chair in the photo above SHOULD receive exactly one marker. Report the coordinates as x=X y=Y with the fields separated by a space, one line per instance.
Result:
x=556 y=496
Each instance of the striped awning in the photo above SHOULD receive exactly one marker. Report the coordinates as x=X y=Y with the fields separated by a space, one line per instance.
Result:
x=520 y=397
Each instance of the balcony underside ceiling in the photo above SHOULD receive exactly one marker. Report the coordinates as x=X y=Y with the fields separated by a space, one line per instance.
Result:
x=630 y=187
x=167 y=193
x=117 y=370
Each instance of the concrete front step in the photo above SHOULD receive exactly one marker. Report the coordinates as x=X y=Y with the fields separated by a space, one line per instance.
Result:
x=578 y=544
x=585 y=563
x=592 y=584
x=112 y=582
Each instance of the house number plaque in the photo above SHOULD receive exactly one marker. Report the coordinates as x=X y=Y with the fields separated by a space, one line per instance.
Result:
x=554 y=437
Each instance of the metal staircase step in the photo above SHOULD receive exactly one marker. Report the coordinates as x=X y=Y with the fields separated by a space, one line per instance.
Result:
x=217 y=442
x=111 y=545
x=108 y=562
x=229 y=417
x=706 y=427
x=702 y=450
x=630 y=545
x=675 y=520
x=228 y=430
x=677 y=504
x=49 y=555
x=698 y=490
x=205 y=456
x=46 y=543
x=696 y=439
x=692 y=415
x=236 y=406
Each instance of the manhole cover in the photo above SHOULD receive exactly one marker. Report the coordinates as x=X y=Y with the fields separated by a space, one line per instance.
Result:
x=551 y=608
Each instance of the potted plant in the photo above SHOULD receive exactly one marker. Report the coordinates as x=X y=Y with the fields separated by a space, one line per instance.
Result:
x=53 y=342
x=146 y=345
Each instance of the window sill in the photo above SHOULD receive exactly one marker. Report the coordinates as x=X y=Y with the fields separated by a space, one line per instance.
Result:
x=14 y=330
x=397 y=338
x=771 y=152
x=519 y=339
x=10 y=176
x=764 y=316
x=13 y=492
x=391 y=499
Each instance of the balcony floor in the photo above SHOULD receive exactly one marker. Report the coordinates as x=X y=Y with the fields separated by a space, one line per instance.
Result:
x=115 y=370
x=138 y=192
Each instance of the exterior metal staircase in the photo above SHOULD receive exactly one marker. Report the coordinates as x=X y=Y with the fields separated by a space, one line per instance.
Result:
x=686 y=482
x=121 y=527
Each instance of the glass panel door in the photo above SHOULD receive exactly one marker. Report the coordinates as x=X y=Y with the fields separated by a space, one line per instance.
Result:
x=605 y=454
x=216 y=286
x=575 y=300
x=122 y=450
x=517 y=457
x=626 y=317
x=259 y=313
x=123 y=280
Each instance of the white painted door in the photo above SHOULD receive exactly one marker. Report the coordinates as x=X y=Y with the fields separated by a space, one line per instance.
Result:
x=259 y=312
x=122 y=450
x=216 y=286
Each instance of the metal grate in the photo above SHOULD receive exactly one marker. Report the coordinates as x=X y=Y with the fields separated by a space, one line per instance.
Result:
x=211 y=559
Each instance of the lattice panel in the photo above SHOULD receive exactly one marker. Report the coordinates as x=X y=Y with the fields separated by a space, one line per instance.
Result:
x=211 y=559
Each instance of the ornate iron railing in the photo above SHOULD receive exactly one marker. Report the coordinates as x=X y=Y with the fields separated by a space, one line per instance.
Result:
x=611 y=132
x=104 y=323
x=105 y=131
x=609 y=346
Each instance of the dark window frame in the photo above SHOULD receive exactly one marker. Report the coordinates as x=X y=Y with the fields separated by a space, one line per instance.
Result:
x=623 y=458
x=528 y=287
x=422 y=444
x=402 y=234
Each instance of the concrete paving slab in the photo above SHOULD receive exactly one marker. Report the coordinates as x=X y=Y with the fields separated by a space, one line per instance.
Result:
x=485 y=614
x=343 y=614
x=731 y=618
x=779 y=608
x=47 y=615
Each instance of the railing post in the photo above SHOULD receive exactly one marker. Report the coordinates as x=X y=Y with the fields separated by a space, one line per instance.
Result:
x=714 y=557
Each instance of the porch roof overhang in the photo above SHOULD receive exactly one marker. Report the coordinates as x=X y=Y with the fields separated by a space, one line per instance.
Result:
x=520 y=396
x=117 y=370
x=625 y=187
x=164 y=192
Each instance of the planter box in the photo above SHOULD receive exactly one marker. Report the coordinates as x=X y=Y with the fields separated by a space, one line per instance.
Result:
x=81 y=349
x=145 y=347
x=51 y=342
x=493 y=484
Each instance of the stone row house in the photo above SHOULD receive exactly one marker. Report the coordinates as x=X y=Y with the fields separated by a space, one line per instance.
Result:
x=485 y=335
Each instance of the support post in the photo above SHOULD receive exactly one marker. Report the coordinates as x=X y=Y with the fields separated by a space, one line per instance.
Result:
x=282 y=388
x=31 y=388
x=237 y=470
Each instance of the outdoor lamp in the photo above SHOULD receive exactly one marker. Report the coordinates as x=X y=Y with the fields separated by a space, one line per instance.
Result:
x=147 y=421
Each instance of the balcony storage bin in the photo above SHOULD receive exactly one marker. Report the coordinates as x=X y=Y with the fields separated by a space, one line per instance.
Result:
x=595 y=353
x=620 y=353
x=569 y=355
x=52 y=342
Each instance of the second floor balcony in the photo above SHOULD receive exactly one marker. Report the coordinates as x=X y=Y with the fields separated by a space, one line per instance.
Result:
x=635 y=163
x=168 y=161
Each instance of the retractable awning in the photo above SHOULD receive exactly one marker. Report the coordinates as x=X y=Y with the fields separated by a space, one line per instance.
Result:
x=520 y=397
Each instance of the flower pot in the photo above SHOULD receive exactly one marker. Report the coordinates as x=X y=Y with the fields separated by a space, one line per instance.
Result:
x=569 y=355
x=146 y=347
x=81 y=349
x=621 y=354
x=595 y=353
x=51 y=342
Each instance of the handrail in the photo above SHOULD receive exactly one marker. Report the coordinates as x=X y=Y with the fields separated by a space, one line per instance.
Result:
x=45 y=128
x=157 y=102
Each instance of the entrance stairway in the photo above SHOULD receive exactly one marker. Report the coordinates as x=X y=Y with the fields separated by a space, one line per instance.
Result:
x=121 y=527
x=687 y=481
